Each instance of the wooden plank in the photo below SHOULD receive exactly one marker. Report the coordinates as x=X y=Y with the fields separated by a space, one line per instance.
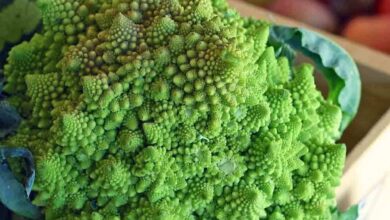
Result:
x=367 y=164
x=374 y=103
x=376 y=61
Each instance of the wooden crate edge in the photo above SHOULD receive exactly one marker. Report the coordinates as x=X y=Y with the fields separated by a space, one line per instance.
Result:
x=367 y=164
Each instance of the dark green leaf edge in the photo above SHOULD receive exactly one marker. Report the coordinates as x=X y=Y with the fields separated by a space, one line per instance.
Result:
x=9 y=119
x=351 y=214
x=334 y=63
x=12 y=193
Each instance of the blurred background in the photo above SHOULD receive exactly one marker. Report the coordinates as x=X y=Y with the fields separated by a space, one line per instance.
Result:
x=363 y=21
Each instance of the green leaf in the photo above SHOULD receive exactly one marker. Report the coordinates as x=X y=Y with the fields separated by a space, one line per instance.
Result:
x=12 y=193
x=333 y=62
x=351 y=214
x=9 y=119
x=1 y=83
x=19 y=19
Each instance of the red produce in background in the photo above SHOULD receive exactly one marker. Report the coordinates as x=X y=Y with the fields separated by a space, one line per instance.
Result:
x=373 y=31
x=364 y=21
x=384 y=7
x=308 y=11
x=348 y=8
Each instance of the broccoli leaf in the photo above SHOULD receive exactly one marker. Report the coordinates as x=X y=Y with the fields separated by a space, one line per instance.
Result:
x=1 y=84
x=9 y=118
x=333 y=62
x=12 y=193
x=351 y=214
x=18 y=19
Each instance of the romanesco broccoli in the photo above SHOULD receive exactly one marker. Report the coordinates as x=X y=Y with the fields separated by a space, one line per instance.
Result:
x=18 y=19
x=170 y=109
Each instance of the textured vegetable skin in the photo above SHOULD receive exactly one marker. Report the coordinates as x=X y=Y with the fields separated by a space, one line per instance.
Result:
x=332 y=61
x=170 y=110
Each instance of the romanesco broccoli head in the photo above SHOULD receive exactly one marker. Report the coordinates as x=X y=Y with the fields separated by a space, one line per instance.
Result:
x=170 y=109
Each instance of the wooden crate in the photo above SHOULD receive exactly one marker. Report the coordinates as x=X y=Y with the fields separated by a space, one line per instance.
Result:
x=368 y=137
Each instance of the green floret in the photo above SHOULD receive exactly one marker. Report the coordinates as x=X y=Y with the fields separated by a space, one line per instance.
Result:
x=18 y=19
x=170 y=109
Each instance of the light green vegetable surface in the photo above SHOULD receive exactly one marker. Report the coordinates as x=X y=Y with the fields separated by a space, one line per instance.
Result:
x=170 y=109
x=17 y=18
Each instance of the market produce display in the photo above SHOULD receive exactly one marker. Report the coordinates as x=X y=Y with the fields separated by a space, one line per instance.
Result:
x=170 y=109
